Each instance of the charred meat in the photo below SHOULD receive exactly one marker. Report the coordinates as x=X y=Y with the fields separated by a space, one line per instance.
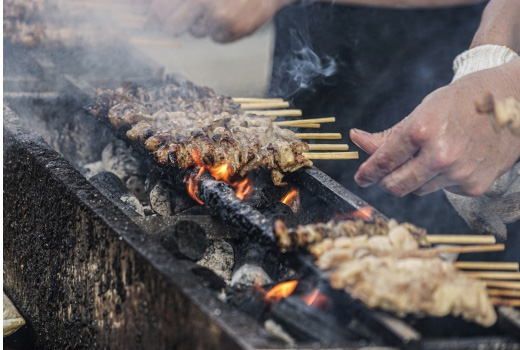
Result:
x=191 y=127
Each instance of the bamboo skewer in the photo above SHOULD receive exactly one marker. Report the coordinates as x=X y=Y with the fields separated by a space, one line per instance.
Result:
x=484 y=265
x=307 y=121
x=315 y=126
x=278 y=113
x=255 y=99
x=264 y=105
x=333 y=155
x=470 y=249
x=327 y=147
x=505 y=302
x=319 y=136
x=461 y=239
x=503 y=284
x=504 y=292
x=495 y=275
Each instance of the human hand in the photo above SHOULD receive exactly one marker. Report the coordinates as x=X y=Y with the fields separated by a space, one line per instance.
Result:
x=223 y=20
x=444 y=142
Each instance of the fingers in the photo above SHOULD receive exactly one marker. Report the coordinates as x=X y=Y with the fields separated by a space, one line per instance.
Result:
x=409 y=177
x=366 y=141
x=399 y=146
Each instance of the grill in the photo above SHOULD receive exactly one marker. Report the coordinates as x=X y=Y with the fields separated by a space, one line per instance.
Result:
x=88 y=271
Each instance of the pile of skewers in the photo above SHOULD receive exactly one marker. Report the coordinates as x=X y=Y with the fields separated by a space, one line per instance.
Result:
x=184 y=125
x=394 y=267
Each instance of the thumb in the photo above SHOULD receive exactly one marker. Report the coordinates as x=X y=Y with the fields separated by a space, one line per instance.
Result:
x=366 y=141
x=371 y=142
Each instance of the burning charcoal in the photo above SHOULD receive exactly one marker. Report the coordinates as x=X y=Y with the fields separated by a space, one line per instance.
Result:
x=159 y=197
x=113 y=188
x=164 y=199
x=307 y=323
x=219 y=257
x=249 y=275
x=121 y=160
x=186 y=238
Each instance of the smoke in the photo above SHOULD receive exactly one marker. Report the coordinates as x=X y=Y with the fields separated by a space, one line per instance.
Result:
x=301 y=68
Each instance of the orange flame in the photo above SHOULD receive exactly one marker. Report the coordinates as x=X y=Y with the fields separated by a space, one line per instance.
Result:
x=364 y=213
x=289 y=197
x=242 y=188
x=222 y=172
x=193 y=186
x=281 y=290
x=315 y=298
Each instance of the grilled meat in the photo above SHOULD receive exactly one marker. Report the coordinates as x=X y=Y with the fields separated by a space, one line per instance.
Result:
x=415 y=286
x=200 y=132
x=304 y=236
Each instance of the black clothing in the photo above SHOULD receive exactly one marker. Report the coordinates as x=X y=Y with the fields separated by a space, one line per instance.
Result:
x=385 y=61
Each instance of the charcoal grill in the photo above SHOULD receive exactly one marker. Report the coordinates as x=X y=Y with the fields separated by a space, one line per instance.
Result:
x=86 y=272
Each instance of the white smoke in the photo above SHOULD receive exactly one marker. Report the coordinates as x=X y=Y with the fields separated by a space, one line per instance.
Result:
x=303 y=67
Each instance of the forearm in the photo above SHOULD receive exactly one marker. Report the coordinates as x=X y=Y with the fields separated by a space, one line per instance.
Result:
x=500 y=25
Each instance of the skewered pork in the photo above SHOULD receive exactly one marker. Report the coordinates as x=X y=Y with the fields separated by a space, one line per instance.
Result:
x=332 y=252
x=415 y=285
x=304 y=236
x=201 y=135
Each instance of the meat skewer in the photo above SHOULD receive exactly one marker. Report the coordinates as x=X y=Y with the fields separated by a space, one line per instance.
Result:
x=415 y=285
x=196 y=137
x=304 y=236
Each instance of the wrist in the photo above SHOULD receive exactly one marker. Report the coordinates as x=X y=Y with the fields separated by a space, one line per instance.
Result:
x=500 y=25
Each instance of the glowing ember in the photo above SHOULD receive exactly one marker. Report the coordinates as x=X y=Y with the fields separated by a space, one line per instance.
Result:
x=281 y=290
x=315 y=298
x=364 y=213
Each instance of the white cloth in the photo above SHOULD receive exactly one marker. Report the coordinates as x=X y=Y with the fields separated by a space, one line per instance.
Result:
x=12 y=318
x=500 y=205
